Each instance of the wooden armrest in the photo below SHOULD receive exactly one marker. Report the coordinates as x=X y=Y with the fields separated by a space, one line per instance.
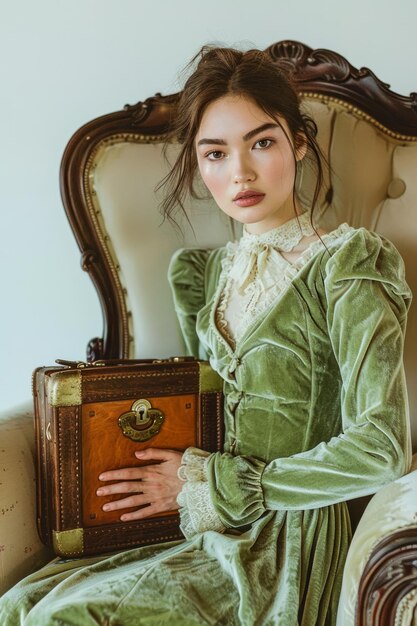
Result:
x=381 y=567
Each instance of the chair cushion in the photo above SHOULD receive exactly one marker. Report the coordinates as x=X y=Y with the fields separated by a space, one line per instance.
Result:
x=21 y=550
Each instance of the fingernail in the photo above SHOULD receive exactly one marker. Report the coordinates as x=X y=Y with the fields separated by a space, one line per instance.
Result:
x=124 y=518
x=100 y=492
x=106 y=507
x=139 y=453
x=101 y=477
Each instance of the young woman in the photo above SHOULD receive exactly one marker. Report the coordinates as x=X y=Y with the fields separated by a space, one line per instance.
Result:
x=306 y=329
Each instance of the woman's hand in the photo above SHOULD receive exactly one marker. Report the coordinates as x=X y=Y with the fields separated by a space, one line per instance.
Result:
x=156 y=485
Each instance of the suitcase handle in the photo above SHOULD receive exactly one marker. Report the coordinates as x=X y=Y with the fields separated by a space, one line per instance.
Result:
x=103 y=363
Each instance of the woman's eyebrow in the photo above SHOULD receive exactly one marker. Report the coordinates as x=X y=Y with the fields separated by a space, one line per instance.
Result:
x=249 y=135
x=260 y=129
x=219 y=142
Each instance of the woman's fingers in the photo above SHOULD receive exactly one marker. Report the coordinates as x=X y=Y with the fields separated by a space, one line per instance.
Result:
x=140 y=500
x=141 y=472
x=129 y=486
x=126 y=503
x=155 y=454
x=153 y=485
x=143 y=513
x=126 y=473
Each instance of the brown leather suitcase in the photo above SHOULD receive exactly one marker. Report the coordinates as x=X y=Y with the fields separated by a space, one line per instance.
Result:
x=92 y=417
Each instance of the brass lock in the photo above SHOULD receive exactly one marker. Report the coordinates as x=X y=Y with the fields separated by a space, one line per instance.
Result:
x=142 y=422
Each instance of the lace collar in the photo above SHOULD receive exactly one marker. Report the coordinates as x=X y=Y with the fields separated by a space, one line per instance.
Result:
x=283 y=238
x=253 y=253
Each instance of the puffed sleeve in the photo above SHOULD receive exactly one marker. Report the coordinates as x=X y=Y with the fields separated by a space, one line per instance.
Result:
x=366 y=306
x=188 y=280
x=186 y=275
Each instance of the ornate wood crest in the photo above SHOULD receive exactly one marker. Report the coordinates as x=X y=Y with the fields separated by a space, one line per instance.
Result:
x=328 y=73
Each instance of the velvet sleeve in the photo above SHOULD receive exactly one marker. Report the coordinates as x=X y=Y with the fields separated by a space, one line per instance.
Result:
x=186 y=275
x=366 y=300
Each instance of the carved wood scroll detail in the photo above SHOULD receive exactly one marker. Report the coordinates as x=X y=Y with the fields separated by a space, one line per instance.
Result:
x=325 y=72
x=87 y=259
x=306 y=64
x=95 y=349
x=161 y=107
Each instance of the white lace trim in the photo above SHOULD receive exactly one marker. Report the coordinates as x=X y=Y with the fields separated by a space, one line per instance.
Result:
x=254 y=273
x=284 y=237
x=193 y=465
x=197 y=513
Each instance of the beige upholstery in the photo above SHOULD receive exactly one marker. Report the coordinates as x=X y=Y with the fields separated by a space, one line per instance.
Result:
x=21 y=551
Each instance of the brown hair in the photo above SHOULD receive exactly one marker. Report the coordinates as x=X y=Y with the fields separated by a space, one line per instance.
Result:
x=225 y=71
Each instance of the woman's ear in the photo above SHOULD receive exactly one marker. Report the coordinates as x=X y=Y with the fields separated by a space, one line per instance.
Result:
x=300 y=146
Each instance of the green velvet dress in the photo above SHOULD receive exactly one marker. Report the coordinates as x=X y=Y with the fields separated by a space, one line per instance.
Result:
x=316 y=414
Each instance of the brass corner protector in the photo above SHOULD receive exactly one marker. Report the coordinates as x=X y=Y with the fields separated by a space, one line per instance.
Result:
x=64 y=388
x=68 y=542
x=209 y=379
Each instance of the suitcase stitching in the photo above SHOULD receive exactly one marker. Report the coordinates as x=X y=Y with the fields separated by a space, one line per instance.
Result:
x=142 y=375
x=61 y=473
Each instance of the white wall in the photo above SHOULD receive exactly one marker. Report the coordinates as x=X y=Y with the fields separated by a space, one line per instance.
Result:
x=64 y=63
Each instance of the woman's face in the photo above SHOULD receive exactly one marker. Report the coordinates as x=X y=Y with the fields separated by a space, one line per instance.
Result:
x=247 y=163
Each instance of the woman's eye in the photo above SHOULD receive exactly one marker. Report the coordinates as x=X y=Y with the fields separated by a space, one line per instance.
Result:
x=215 y=155
x=263 y=143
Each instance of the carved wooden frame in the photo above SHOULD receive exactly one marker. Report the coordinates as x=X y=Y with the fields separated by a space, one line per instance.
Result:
x=144 y=123
x=391 y=571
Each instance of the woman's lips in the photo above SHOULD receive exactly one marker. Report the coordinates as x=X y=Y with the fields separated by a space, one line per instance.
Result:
x=249 y=199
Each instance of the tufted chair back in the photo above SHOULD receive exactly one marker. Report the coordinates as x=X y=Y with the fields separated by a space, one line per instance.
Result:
x=112 y=165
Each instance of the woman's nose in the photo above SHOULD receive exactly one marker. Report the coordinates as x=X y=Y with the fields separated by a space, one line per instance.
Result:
x=244 y=177
x=243 y=171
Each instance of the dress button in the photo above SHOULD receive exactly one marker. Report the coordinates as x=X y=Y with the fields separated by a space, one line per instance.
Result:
x=396 y=188
x=233 y=365
x=232 y=400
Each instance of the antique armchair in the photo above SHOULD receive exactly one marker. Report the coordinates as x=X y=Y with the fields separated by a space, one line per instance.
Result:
x=108 y=176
